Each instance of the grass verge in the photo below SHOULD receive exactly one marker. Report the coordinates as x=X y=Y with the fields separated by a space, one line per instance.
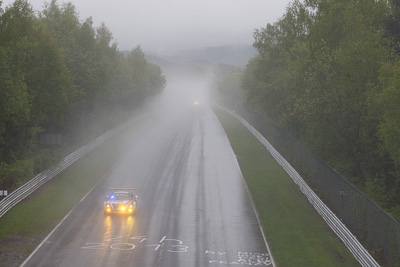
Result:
x=25 y=225
x=296 y=233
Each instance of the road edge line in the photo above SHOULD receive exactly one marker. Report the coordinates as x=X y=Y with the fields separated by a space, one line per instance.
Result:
x=65 y=217
x=250 y=197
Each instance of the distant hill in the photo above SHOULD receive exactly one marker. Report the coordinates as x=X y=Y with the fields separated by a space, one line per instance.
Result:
x=235 y=55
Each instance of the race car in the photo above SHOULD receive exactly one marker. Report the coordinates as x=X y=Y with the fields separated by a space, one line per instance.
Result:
x=120 y=200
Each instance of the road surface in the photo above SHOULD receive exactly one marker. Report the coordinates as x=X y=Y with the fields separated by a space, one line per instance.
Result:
x=193 y=207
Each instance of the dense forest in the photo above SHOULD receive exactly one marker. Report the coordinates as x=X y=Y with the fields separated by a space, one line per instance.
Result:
x=61 y=75
x=328 y=72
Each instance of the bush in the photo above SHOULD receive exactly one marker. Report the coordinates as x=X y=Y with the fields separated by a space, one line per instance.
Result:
x=16 y=174
x=45 y=159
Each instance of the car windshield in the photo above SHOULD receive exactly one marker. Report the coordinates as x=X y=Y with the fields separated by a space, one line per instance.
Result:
x=120 y=196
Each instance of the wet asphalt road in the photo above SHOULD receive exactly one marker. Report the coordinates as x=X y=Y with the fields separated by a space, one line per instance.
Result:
x=193 y=207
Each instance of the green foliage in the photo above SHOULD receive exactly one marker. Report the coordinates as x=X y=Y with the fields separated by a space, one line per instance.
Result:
x=321 y=74
x=16 y=25
x=274 y=75
x=385 y=104
x=13 y=175
x=377 y=190
x=14 y=106
x=155 y=80
x=339 y=79
x=388 y=101
x=45 y=159
x=48 y=80
x=18 y=172
x=148 y=78
x=59 y=74
x=227 y=83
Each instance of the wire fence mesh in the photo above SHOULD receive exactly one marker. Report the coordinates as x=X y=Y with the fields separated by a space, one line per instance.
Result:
x=378 y=231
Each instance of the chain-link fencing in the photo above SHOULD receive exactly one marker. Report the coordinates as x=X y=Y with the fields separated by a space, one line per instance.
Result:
x=378 y=231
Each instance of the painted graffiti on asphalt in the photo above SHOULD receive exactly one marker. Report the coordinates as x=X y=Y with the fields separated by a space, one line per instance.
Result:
x=115 y=243
x=243 y=258
x=171 y=245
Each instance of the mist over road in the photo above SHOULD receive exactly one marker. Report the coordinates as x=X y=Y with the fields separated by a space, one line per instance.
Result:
x=193 y=207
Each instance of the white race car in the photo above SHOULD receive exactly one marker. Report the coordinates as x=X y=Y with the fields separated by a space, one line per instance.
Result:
x=120 y=200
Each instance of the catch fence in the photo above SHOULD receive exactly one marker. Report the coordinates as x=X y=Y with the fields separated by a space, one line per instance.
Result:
x=378 y=231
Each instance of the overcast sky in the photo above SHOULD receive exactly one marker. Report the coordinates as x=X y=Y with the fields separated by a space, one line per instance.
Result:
x=163 y=25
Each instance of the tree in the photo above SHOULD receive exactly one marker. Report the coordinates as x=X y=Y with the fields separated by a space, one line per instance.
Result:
x=155 y=79
x=272 y=79
x=228 y=84
x=15 y=26
x=344 y=70
x=385 y=102
x=14 y=109
x=103 y=35
x=49 y=81
x=34 y=85
x=58 y=74
x=315 y=69
x=83 y=58
x=137 y=63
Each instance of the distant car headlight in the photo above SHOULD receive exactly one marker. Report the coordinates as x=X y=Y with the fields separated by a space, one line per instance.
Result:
x=195 y=103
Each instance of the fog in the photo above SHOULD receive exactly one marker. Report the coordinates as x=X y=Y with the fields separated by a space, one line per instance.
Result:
x=168 y=25
x=184 y=87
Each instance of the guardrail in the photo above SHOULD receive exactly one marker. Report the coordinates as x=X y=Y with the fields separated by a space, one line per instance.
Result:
x=355 y=247
x=22 y=192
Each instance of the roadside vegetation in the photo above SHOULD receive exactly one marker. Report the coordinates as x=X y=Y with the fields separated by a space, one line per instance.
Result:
x=60 y=77
x=328 y=73
x=296 y=233
x=27 y=224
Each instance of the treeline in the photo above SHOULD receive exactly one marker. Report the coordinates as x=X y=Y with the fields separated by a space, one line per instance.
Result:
x=59 y=74
x=329 y=73
x=227 y=84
